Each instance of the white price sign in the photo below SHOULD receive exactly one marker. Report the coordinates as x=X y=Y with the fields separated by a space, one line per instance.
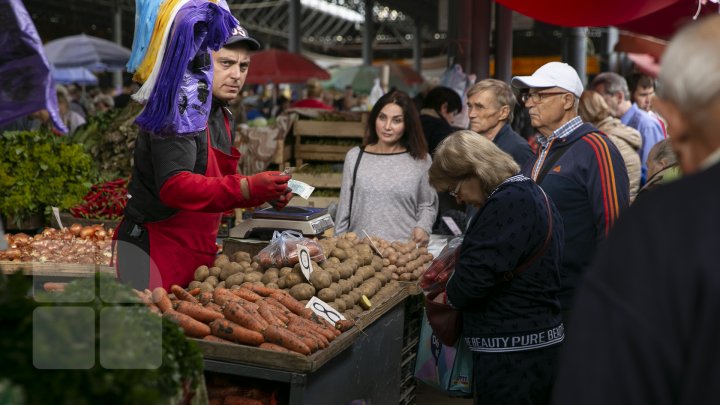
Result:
x=56 y=212
x=305 y=261
x=321 y=308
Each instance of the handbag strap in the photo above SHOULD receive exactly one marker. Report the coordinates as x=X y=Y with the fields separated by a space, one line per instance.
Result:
x=354 y=178
x=509 y=275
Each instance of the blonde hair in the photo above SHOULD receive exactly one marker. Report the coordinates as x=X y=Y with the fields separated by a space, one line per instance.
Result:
x=592 y=107
x=466 y=154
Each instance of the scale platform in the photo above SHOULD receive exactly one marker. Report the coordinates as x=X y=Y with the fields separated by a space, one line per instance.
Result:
x=309 y=221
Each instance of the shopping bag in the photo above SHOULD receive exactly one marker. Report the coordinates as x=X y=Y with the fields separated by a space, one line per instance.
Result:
x=446 y=368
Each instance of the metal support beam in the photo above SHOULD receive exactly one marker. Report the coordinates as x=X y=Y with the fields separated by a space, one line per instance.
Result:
x=613 y=35
x=576 y=51
x=368 y=34
x=503 y=43
x=481 y=18
x=417 y=47
x=464 y=44
x=294 y=26
x=117 y=36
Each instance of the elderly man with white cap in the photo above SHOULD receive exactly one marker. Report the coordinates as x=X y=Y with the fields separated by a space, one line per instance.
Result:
x=577 y=165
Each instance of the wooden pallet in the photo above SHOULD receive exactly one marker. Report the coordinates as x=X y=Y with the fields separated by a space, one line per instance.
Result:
x=304 y=129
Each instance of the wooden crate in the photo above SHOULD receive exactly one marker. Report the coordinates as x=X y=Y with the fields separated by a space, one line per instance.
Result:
x=318 y=202
x=68 y=219
x=70 y=270
x=303 y=129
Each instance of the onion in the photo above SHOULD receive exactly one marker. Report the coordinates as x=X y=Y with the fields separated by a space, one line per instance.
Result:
x=100 y=234
x=47 y=232
x=13 y=254
x=87 y=232
x=75 y=229
x=21 y=239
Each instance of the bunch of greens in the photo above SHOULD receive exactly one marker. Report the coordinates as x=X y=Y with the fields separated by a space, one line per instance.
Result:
x=39 y=170
x=116 y=373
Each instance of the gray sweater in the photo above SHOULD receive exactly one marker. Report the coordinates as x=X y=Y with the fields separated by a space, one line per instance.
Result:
x=392 y=196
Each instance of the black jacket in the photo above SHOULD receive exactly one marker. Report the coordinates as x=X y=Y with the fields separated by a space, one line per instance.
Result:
x=508 y=230
x=514 y=145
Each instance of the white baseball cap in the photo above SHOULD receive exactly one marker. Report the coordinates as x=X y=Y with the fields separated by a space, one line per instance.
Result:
x=551 y=74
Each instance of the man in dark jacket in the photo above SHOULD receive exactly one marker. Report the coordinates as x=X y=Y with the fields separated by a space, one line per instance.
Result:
x=490 y=109
x=579 y=167
x=439 y=108
x=645 y=327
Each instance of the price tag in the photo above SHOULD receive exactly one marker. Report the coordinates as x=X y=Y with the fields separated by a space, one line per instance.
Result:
x=452 y=225
x=321 y=308
x=56 y=212
x=372 y=244
x=305 y=261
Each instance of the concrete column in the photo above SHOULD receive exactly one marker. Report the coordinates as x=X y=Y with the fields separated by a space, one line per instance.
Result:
x=117 y=36
x=613 y=36
x=368 y=34
x=503 y=43
x=294 y=26
x=481 y=21
x=577 y=50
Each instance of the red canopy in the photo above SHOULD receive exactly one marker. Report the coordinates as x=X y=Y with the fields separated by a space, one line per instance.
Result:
x=277 y=66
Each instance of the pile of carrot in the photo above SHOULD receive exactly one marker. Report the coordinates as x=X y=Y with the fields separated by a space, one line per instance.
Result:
x=250 y=315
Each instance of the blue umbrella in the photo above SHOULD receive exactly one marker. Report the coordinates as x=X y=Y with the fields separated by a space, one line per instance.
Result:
x=73 y=75
x=84 y=51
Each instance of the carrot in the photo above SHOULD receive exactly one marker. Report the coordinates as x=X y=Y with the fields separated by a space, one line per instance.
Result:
x=195 y=291
x=286 y=339
x=292 y=304
x=191 y=327
x=238 y=400
x=160 y=297
x=246 y=294
x=258 y=289
x=267 y=314
x=274 y=347
x=329 y=335
x=222 y=296
x=344 y=325
x=211 y=338
x=215 y=307
x=197 y=311
x=300 y=328
x=236 y=313
x=306 y=337
x=182 y=294
x=205 y=297
x=54 y=287
x=252 y=309
x=229 y=330
x=323 y=323
x=154 y=309
x=279 y=313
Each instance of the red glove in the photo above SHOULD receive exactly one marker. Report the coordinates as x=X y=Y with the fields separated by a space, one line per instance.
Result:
x=267 y=186
x=282 y=201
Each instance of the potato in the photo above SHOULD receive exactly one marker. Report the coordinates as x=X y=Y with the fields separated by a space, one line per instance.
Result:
x=334 y=305
x=334 y=273
x=320 y=279
x=356 y=280
x=355 y=296
x=333 y=260
x=220 y=284
x=194 y=284
x=339 y=253
x=384 y=278
x=272 y=285
x=235 y=279
x=220 y=260
x=255 y=265
x=327 y=294
x=228 y=269
x=281 y=282
x=206 y=287
x=253 y=277
x=270 y=275
x=345 y=286
x=406 y=277
x=293 y=279
x=351 y=236
x=344 y=244
x=285 y=271
x=240 y=257
x=302 y=291
x=201 y=273
x=212 y=280
x=353 y=263
x=336 y=288
x=215 y=271
x=365 y=272
x=339 y=305
x=303 y=302
x=385 y=262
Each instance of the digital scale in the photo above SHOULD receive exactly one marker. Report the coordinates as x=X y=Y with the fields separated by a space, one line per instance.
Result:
x=309 y=221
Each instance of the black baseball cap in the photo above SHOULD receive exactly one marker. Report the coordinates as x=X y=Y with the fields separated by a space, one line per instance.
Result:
x=240 y=34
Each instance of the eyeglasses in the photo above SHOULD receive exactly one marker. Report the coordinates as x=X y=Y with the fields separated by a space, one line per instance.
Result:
x=538 y=97
x=454 y=193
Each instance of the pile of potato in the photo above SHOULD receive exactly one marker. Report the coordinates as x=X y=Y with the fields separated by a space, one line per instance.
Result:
x=352 y=275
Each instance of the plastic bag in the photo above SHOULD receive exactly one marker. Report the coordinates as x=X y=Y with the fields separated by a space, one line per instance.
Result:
x=282 y=250
x=435 y=278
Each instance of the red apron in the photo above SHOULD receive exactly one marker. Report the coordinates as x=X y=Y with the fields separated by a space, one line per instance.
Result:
x=185 y=241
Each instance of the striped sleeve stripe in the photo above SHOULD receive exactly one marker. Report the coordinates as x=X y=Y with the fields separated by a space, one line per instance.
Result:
x=613 y=186
x=604 y=181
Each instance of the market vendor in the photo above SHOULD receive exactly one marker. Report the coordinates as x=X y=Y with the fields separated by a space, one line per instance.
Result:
x=181 y=185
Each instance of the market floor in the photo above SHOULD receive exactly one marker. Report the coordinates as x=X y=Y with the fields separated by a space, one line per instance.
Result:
x=425 y=395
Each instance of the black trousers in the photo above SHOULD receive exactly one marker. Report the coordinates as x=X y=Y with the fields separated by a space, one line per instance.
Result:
x=515 y=378
x=133 y=255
